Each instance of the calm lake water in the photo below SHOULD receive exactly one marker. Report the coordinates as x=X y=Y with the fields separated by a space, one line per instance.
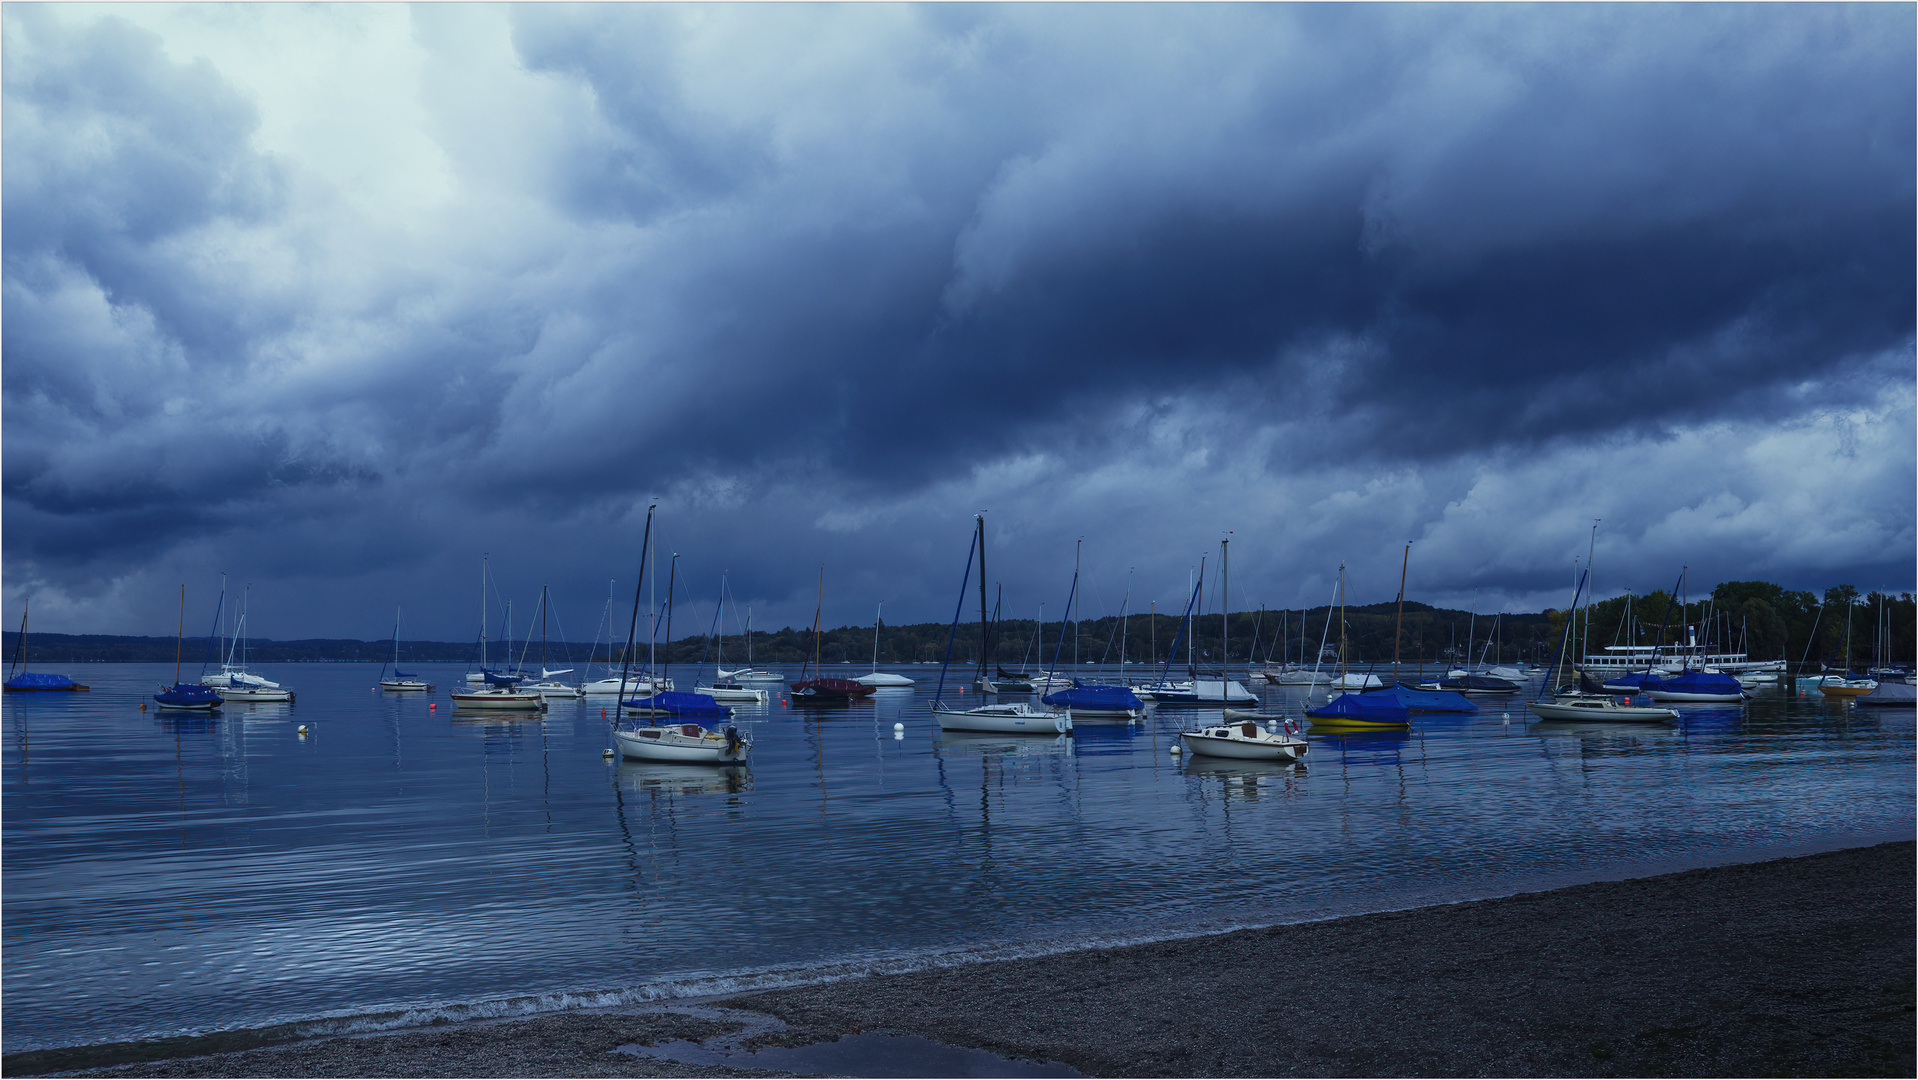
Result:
x=399 y=862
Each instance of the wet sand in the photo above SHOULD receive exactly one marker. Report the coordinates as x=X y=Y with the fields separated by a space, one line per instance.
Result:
x=1794 y=967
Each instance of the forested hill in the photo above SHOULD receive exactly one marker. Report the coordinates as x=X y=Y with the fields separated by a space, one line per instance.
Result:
x=1753 y=616
x=1428 y=633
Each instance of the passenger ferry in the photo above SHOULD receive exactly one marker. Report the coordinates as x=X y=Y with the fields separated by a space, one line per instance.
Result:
x=1623 y=658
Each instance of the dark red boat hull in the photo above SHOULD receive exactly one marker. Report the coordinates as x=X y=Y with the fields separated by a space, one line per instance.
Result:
x=829 y=690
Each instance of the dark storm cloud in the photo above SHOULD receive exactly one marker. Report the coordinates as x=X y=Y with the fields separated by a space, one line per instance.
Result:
x=1672 y=227
x=831 y=275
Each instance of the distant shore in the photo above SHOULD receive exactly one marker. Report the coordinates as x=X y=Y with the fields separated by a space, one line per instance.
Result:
x=1792 y=967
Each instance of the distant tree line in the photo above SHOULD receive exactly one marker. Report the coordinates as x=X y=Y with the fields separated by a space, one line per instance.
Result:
x=1757 y=617
x=1766 y=621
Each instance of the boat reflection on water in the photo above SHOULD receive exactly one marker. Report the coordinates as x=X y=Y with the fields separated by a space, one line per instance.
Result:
x=1247 y=781
x=251 y=712
x=185 y=723
x=653 y=776
x=1658 y=731
x=1595 y=739
x=503 y=719
x=986 y=744
x=1697 y=718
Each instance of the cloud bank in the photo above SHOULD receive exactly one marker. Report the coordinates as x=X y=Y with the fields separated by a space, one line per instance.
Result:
x=336 y=299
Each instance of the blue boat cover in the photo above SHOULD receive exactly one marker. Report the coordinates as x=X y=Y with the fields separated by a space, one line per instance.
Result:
x=187 y=694
x=500 y=680
x=1094 y=696
x=1425 y=700
x=398 y=674
x=1369 y=708
x=1696 y=682
x=39 y=681
x=680 y=703
x=1633 y=681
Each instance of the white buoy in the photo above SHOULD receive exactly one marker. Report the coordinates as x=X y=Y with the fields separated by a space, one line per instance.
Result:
x=899 y=727
x=302 y=729
x=1175 y=749
x=606 y=753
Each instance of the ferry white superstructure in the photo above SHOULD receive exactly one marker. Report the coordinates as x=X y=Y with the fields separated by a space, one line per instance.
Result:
x=1623 y=658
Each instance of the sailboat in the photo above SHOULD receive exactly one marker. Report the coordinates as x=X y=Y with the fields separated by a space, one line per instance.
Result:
x=1357 y=710
x=496 y=692
x=724 y=688
x=1694 y=685
x=1421 y=698
x=20 y=680
x=242 y=685
x=878 y=677
x=749 y=673
x=820 y=690
x=1197 y=691
x=1008 y=718
x=548 y=684
x=399 y=680
x=685 y=741
x=186 y=697
x=233 y=675
x=694 y=706
x=1298 y=674
x=1089 y=701
x=1586 y=700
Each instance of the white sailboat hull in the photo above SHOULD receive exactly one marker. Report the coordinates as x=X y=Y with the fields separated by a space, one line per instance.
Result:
x=551 y=690
x=752 y=675
x=252 y=693
x=675 y=744
x=1232 y=741
x=403 y=684
x=634 y=685
x=1003 y=720
x=1604 y=709
x=724 y=693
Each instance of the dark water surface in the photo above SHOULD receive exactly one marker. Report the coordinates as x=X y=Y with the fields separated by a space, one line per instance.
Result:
x=167 y=876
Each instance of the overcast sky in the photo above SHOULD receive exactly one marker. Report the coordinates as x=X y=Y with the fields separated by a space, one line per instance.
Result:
x=334 y=299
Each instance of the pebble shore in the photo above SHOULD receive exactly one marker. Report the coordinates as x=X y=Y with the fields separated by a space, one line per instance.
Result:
x=1793 y=967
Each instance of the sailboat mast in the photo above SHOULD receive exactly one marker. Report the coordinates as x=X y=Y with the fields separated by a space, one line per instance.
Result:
x=179 y=636
x=982 y=600
x=1076 y=545
x=672 y=574
x=632 y=628
x=819 y=606
x=20 y=651
x=1225 y=619
x=483 y=557
x=652 y=628
x=1399 y=626
x=878 y=617
x=1342 y=627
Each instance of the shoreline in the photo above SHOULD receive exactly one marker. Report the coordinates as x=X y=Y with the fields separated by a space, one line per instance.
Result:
x=1793 y=966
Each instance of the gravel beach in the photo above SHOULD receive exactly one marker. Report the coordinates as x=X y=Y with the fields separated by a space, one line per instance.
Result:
x=1793 y=967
